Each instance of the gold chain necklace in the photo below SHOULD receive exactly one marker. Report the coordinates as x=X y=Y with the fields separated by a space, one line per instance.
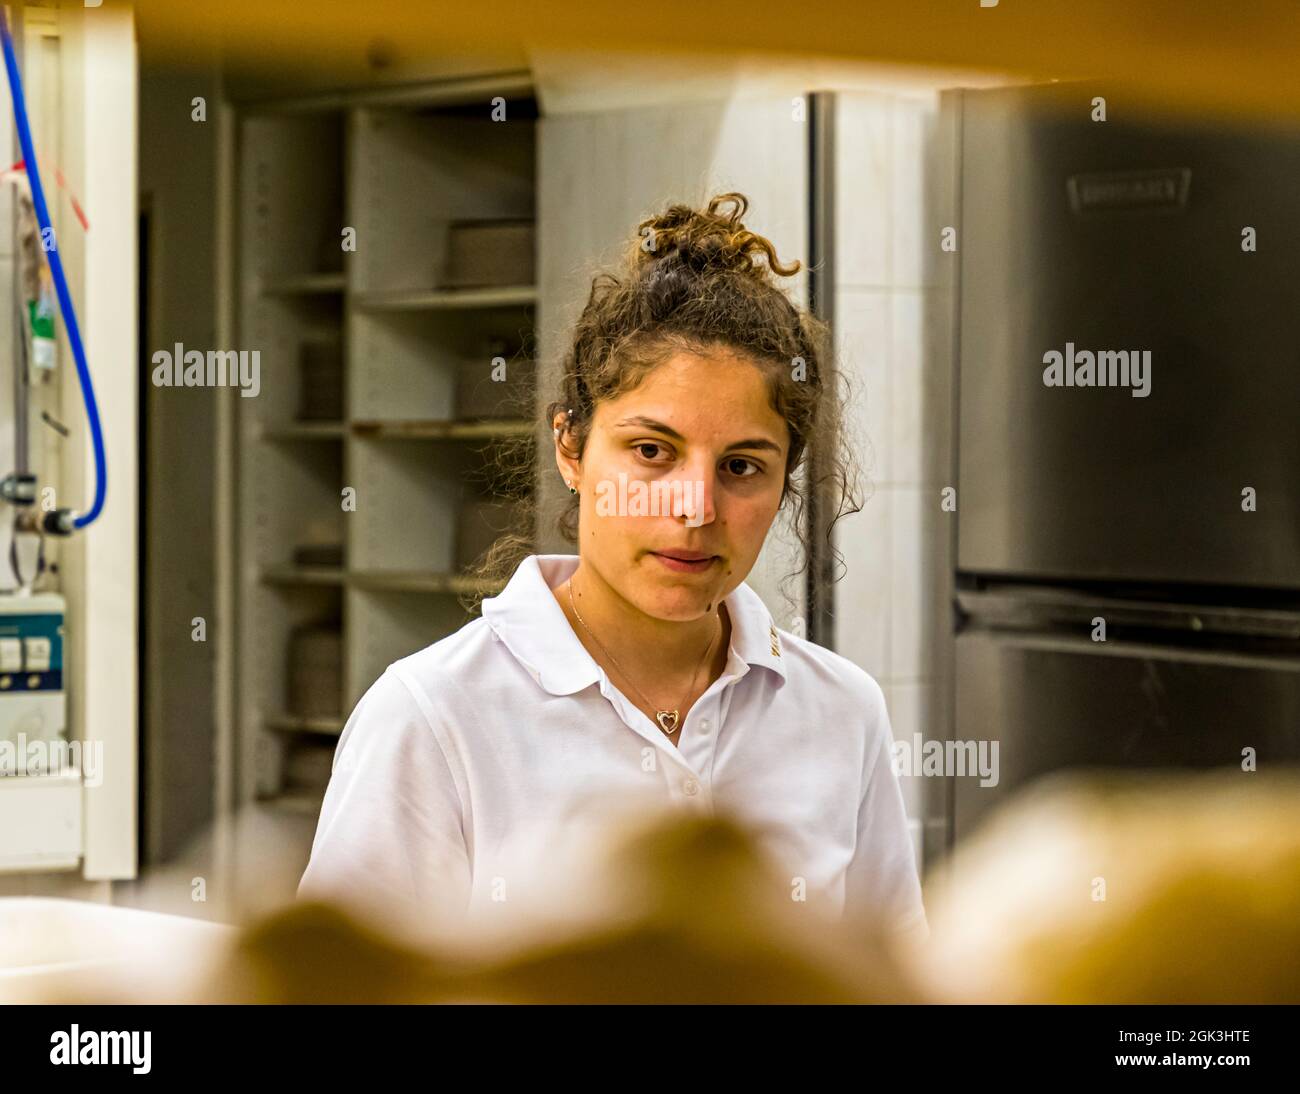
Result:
x=667 y=719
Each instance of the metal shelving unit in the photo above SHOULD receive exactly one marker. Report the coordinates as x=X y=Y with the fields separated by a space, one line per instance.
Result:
x=398 y=171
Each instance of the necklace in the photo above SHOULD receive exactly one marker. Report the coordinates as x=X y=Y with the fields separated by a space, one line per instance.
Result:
x=667 y=719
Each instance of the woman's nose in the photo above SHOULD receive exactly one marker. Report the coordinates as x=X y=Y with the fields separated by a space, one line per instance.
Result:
x=694 y=500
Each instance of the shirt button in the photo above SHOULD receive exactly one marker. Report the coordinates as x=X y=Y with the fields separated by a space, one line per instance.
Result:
x=704 y=725
x=691 y=787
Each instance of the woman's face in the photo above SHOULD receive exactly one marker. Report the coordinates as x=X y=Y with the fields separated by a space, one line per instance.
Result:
x=690 y=462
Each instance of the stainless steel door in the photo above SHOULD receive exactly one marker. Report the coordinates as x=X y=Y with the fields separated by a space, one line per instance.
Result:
x=1061 y=701
x=1127 y=235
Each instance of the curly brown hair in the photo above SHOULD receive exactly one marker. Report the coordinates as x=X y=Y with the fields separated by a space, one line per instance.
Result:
x=694 y=282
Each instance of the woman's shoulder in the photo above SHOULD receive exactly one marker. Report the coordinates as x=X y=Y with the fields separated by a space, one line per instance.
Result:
x=826 y=672
x=455 y=656
x=845 y=697
x=427 y=686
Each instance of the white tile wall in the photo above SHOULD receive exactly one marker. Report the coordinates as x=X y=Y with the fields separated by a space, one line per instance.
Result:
x=891 y=340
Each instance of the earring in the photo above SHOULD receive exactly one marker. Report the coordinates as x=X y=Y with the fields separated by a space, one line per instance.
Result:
x=572 y=489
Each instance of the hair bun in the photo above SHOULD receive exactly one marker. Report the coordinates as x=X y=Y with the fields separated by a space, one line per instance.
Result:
x=707 y=240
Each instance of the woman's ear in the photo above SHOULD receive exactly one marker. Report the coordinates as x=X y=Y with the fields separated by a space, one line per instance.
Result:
x=566 y=462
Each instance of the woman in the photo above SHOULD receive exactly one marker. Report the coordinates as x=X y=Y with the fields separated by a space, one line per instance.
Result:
x=642 y=665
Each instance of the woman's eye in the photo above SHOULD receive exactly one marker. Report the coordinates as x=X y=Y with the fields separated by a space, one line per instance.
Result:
x=739 y=466
x=755 y=469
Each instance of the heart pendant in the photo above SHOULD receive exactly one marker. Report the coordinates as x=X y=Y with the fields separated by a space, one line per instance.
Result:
x=667 y=720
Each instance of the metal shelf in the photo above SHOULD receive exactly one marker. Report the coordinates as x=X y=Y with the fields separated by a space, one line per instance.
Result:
x=504 y=296
x=419 y=581
x=303 y=575
x=293 y=723
x=446 y=430
x=306 y=284
x=400 y=176
x=414 y=581
x=305 y=431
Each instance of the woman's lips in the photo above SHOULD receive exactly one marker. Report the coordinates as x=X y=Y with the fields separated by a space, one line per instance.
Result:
x=684 y=566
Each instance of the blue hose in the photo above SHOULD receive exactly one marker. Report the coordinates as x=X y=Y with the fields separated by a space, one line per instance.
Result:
x=56 y=268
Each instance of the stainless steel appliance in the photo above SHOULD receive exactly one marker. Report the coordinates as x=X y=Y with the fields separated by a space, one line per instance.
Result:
x=1171 y=515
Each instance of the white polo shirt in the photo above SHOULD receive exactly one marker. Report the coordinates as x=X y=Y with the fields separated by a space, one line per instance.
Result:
x=467 y=758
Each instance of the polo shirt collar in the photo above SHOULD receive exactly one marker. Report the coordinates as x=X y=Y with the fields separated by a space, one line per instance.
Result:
x=527 y=619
